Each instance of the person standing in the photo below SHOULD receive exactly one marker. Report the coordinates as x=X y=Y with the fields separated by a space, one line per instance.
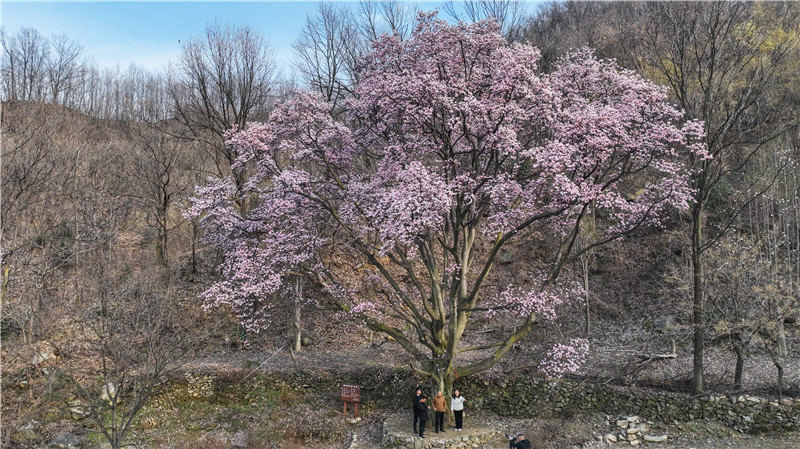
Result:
x=417 y=396
x=439 y=408
x=457 y=406
x=422 y=411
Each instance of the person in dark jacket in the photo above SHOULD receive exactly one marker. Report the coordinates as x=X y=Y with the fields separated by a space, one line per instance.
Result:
x=417 y=396
x=518 y=442
x=422 y=412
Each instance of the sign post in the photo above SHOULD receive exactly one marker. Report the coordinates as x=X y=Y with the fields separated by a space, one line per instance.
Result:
x=351 y=393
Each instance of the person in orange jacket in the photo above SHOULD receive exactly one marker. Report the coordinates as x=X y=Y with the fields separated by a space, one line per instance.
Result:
x=439 y=408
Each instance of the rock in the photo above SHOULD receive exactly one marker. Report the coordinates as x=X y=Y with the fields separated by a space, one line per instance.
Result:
x=635 y=443
x=655 y=438
x=663 y=323
x=108 y=391
x=78 y=409
x=610 y=438
x=43 y=354
x=306 y=341
x=633 y=419
x=633 y=431
x=753 y=400
x=622 y=423
x=65 y=440
x=52 y=414
x=506 y=257
x=27 y=433
x=239 y=440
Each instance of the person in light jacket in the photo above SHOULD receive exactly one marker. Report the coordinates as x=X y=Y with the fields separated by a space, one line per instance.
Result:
x=457 y=406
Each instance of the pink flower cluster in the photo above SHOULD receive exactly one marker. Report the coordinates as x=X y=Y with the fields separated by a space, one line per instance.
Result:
x=543 y=303
x=565 y=358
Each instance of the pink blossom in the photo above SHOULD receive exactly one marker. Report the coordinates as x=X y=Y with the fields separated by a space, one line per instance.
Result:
x=452 y=138
x=564 y=359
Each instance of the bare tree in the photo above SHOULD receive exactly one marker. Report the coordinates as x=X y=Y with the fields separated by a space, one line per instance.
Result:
x=749 y=295
x=509 y=14
x=721 y=61
x=156 y=168
x=222 y=80
x=130 y=338
x=606 y=27
x=335 y=39
x=24 y=66
x=391 y=17
x=63 y=66
x=327 y=50
x=39 y=164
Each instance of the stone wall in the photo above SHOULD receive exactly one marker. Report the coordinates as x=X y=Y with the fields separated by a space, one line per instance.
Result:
x=529 y=397
x=522 y=396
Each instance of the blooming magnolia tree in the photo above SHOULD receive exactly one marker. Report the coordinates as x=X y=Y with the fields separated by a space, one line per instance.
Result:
x=454 y=146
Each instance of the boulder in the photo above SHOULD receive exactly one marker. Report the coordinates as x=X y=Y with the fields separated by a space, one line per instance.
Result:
x=239 y=440
x=506 y=256
x=78 y=410
x=108 y=391
x=44 y=354
x=65 y=440
x=664 y=323
x=27 y=433
x=655 y=438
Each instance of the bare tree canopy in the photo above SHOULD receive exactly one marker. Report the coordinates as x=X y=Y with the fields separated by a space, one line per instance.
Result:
x=509 y=14
x=223 y=79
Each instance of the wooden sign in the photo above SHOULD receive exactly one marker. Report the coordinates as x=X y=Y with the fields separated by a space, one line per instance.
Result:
x=351 y=393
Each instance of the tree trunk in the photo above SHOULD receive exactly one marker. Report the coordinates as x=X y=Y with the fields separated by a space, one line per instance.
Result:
x=444 y=384
x=698 y=316
x=776 y=360
x=738 y=349
x=194 y=248
x=780 y=340
x=161 y=247
x=585 y=269
x=296 y=340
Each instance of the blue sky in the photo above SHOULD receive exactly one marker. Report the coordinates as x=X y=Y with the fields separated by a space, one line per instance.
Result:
x=147 y=33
